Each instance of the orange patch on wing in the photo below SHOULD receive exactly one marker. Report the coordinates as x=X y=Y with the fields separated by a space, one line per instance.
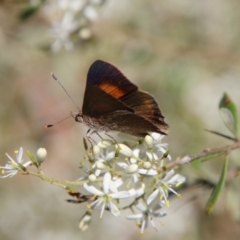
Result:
x=112 y=90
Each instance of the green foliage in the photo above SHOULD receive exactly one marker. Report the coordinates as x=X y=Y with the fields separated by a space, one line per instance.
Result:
x=28 y=11
x=218 y=189
x=228 y=112
x=33 y=159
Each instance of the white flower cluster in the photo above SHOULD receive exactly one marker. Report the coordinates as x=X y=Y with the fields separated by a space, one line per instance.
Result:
x=70 y=20
x=131 y=171
x=12 y=167
x=130 y=174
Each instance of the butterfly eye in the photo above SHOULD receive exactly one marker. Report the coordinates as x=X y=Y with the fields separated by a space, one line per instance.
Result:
x=79 y=118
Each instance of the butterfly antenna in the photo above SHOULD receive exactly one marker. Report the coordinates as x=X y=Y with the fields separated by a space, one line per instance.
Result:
x=51 y=125
x=56 y=79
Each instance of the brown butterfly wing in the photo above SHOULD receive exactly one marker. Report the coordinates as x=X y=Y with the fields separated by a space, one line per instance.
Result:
x=145 y=105
x=109 y=79
x=128 y=122
x=105 y=84
x=97 y=103
x=117 y=103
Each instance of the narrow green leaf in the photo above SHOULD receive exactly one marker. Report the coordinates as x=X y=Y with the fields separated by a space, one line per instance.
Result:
x=222 y=135
x=22 y=167
x=218 y=189
x=211 y=156
x=85 y=144
x=197 y=164
x=228 y=112
x=33 y=159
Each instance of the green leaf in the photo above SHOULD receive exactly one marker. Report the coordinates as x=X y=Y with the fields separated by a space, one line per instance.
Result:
x=228 y=112
x=197 y=164
x=222 y=135
x=210 y=156
x=22 y=167
x=85 y=144
x=28 y=11
x=33 y=159
x=218 y=189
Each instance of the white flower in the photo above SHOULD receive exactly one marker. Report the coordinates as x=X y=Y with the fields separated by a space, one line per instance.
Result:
x=132 y=178
x=147 y=215
x=62 y=30
x=74 y=5
x=105 y=198
x=135 y=156
x=90 y=13
x=131 y=172
x=158 y=147
x=70 y=21
x=147 y=172
x=101 y=162
x=157 y=137
x=164 y=186
x=161 y=149
x=13 y=167
x=136 y=167
x=106 y=156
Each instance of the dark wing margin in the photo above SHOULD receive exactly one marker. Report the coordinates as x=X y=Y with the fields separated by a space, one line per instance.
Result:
x=109 y=79
x=145 y=106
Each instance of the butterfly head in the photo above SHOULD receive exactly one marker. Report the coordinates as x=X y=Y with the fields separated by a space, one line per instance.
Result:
x=77 y=116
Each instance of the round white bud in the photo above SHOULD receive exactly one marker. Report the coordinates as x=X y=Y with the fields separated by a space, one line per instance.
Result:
x=41 y=155
x=131 y=169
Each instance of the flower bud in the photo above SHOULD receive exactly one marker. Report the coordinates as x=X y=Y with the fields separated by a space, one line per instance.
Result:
x=85 y=221
x=149 y=141
x=101 y=166
x=125 y=150
x=92 y=178
x=41 y=155
x=105 y=143
x=147 y=165
x=131 y=169
x=96 y=151
x=85 y=33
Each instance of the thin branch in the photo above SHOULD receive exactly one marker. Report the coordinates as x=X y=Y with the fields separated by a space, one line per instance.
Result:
x=64 y=184
x=205 y=154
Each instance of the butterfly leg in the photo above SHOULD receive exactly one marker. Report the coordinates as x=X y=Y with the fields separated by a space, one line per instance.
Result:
x=89 y=133
x=99 y=135
x=106 y=133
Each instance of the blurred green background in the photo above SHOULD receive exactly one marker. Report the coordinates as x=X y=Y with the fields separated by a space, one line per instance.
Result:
x=185 y=53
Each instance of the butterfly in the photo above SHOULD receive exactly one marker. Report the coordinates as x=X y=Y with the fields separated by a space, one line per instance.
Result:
x=112 y=103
